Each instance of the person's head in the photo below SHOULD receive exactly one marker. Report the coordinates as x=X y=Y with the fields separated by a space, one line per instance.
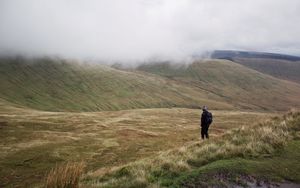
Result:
x=204 y=108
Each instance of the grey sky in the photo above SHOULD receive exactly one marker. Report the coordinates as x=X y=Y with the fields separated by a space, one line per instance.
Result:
x=128 y=30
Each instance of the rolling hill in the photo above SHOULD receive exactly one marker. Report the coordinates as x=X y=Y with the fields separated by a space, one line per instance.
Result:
x=59 y=85
x=278 y=65
x=131 y=148
x=231 y=54
x=236 y=84
x=283 y=69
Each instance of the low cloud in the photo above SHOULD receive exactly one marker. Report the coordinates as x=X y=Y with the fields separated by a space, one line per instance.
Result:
x=136 y=30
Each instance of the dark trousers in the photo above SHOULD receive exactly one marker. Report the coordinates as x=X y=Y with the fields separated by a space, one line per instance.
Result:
x=204 y=132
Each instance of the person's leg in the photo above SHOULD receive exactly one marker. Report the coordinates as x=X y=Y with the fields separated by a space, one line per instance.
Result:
x=206 y=132
x=202 y=132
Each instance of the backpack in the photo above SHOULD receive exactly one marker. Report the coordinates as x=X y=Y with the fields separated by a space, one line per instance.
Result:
x=209 y=118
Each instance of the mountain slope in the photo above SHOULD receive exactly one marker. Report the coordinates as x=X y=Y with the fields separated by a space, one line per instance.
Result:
x=235 y=83
x=231 y=54
x=278 y=65
x=283 y=69
x=58 y=85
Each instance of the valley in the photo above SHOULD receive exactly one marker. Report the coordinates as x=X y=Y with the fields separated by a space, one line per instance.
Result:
x=54 y=111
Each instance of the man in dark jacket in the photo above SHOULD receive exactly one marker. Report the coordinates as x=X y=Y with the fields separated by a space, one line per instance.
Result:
x=206 y=120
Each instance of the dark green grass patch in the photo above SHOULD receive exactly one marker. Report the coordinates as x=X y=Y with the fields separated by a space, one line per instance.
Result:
x=281 y=166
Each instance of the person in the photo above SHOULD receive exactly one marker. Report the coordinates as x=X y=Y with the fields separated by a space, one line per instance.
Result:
x=206 y=120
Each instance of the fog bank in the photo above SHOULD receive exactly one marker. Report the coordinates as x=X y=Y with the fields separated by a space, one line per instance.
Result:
x=137 y=30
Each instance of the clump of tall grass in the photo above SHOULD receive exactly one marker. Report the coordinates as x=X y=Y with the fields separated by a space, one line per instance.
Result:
x=247 y=142
x=65 y=176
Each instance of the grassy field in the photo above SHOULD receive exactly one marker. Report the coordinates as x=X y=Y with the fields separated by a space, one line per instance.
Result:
x=33 y=142
x=140 y=128
x=265 y=152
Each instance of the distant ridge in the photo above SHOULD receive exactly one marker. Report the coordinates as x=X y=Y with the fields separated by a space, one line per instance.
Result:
x=231 y=54
x=281 y=66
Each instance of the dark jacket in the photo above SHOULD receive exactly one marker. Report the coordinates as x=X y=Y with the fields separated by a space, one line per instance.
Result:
x=204 y=118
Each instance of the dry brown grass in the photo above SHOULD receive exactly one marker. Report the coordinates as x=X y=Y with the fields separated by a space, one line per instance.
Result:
x=103 y=139
x=246 y=141
x=65 y=176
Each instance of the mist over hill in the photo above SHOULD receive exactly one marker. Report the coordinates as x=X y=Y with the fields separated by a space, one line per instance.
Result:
x=109 y=93
x=139 y=29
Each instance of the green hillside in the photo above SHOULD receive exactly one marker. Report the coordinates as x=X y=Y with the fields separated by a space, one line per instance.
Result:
x=288 y=70
x=58 y=85
x=144 y=147
x=236 y=84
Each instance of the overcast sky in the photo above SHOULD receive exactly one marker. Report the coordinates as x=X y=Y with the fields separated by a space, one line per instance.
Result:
x=129 y=30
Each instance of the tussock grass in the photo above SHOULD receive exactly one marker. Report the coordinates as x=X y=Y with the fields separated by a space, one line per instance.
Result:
x=103 y=139
x=246 y=142
x=65 y=176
